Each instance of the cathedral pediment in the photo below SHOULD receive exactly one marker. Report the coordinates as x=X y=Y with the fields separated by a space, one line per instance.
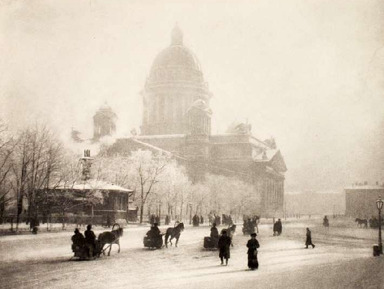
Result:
x=278 y=163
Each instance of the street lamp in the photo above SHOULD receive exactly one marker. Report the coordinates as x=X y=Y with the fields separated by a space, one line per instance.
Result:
x=379 y=204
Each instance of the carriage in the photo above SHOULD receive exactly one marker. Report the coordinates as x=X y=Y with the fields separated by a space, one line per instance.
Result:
x=153 y=242
x=212 y=243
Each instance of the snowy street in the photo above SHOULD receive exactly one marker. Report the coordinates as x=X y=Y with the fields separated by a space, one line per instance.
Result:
x=342 y=259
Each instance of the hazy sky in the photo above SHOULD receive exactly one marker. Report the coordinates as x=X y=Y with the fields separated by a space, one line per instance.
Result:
x=309 y=73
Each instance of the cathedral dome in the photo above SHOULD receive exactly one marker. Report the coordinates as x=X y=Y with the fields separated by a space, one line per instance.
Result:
x=176 y=57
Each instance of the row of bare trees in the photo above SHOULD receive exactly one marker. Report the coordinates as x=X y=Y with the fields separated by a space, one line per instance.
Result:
x=33 y=162
x=159 y=182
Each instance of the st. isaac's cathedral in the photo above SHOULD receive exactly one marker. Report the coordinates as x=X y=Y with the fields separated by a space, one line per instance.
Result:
x=177 y=120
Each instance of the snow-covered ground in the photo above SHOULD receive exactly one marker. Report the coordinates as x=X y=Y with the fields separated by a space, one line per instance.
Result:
x=342 y=259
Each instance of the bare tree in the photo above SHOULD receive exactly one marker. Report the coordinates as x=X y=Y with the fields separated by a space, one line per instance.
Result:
x=141 y=171
x=148 y=169
x=7 y=145
x=36 y=161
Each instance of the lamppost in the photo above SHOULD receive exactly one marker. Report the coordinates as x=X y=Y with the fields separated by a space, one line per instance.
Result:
x=379 y=204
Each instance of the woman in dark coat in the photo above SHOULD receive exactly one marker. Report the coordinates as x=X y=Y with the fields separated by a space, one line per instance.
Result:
x=224 y=247
x=308 y=241
x=252 y=245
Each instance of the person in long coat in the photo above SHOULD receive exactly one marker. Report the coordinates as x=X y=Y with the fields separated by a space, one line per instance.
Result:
x=224 y=247
x=308 y=241
x=279 y=227
x=78 y=240
x=90 y=240
x=252 y=246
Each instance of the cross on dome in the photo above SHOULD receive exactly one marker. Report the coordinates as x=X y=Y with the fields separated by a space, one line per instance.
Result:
x=177 y=36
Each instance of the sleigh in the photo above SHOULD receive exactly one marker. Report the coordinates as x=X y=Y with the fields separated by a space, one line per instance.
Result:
x=210 y=243
x=82 y=252
x=153 y=242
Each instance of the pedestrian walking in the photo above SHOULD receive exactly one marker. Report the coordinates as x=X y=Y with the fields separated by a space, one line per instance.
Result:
x=308 y=241
x=224 y=247
x=252 y=245
x=326 y=222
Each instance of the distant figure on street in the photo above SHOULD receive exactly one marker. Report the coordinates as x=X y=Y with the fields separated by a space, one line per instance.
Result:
x=325 y=222
x=224 y=247
x=90 y=240
x=252 y=246
x=196 y=220
x=167 y=220
x=277 y=228
x=217 y=220
x=152 y=219
x=308 y=240
x=201 y=219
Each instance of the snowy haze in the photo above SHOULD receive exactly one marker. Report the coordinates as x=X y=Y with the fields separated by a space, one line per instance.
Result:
x=309 y=73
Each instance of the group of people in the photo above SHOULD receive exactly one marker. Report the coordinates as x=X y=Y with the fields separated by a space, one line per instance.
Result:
x=196 y=220
x=277 y=228
x=249 y=226
x=224 y=242
x=88 y=241
x=154 y=219
x=213 y=218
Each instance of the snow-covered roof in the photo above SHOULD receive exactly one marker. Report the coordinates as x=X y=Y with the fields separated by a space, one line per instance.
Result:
x=265 y=156
x=155 y=148
x=256 y=141
x=93 y=185
x=160 y=136
x=365 y=187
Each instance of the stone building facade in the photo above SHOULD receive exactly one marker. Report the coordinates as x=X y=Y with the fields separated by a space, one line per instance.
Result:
x=177 y=119
x=360 y=200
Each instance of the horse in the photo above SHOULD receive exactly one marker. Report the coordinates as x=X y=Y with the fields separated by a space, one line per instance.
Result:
x=110 y=238
x=361 y=222
x=173 y=233
x=231 y=231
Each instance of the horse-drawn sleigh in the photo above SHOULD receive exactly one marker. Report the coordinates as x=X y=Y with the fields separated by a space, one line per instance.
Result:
x=90 y=251
x=156 y=241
